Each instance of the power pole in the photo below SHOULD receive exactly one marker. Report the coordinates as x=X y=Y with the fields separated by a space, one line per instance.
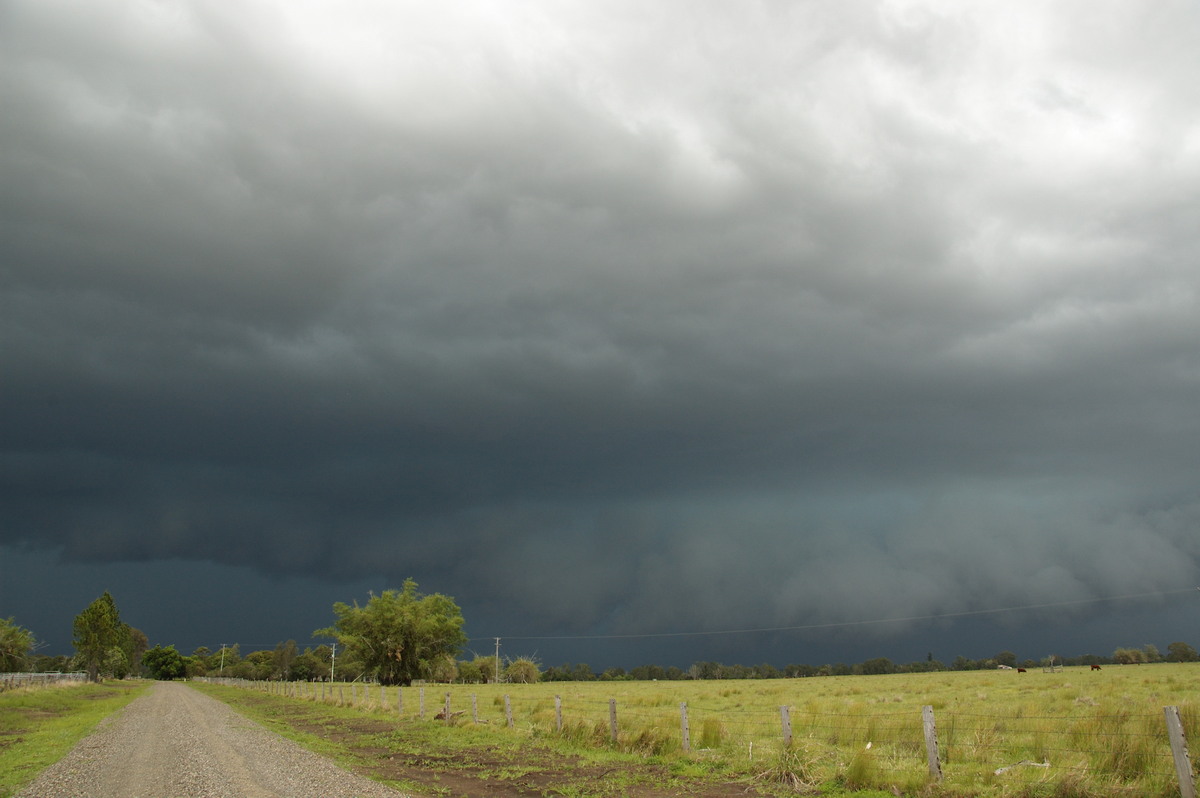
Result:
x=497 y=660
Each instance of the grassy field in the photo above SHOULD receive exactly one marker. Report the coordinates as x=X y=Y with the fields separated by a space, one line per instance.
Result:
x=40 y=725
x=1073 y=732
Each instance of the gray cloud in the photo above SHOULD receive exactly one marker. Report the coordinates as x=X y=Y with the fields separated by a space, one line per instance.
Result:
x=690 y=318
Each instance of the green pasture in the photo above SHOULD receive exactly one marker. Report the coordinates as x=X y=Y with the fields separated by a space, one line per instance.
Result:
x=38 y=726
x=1071 y=732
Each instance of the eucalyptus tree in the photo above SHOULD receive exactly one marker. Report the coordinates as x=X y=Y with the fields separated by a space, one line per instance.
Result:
x=400 y=635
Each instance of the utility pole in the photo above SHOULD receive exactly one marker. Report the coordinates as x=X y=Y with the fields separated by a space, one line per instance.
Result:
x=497 y=660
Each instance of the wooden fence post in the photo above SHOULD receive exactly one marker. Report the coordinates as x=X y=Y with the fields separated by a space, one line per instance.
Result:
x=785 y=718
x=447 y=709
x=399 y=700
x=508 y=711
x=612 y=719
x=1183 y=764
x=421 y=693
x=931 y=744
x=354 y=695
x=558 y=713
x=474 y=708
x=683 y=725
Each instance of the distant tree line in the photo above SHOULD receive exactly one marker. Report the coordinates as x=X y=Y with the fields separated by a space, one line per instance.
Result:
x=401 y=636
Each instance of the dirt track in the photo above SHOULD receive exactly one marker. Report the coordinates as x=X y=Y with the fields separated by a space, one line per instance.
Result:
x=174 y=741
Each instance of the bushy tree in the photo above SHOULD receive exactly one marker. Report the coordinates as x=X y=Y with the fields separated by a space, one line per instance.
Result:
x=647 y=673
x=136 y=645
x=400 y=635
x=522 y=670
x=1129 y=656
x=282 y=658
x=97 y=630
x=1181 y=652
x=487 y=669
x=443 y=669
x=164 y=663
x=470 y=673
x=16 y=643
x=877 y=667
x=260 y=665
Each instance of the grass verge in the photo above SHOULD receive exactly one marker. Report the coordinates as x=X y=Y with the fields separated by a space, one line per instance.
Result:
x=39 y=726
x=468 y=761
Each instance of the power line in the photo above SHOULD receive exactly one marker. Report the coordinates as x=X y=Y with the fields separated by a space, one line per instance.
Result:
x=844 y=624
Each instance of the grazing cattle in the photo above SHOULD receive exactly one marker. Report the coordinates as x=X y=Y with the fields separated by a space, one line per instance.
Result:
x=1020 y=670
x=1095 y=667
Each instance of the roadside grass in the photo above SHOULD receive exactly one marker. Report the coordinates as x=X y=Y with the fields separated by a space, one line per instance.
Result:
x=39 y=726
x=1072 y=732
x=464 y=758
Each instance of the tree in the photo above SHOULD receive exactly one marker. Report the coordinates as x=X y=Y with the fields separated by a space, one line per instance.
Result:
x=522 y=670
x=400 y=635
x=470 y=673
x=16 y=642
x=137 y=646
x=443 y=669
x=282 y=658
x=97 y=630
x=1181 y=652
x=1129 y=656
x=488 y=668
x=164 y=663
x=877 y=666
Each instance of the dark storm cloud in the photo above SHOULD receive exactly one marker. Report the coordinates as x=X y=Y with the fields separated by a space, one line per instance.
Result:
x=624 y=320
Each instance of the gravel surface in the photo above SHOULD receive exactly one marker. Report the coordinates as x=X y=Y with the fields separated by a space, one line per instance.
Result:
x=173 y=742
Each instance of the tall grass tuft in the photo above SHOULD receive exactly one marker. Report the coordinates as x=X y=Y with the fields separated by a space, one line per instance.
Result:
x=1131 y=754
x=794 y=769
x=712 y=733
x=862 y=770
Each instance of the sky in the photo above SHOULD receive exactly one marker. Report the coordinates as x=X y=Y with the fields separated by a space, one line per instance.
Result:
x=789 y=332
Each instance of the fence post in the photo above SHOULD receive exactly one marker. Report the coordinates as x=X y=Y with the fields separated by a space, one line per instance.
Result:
x=447 y=709
x=354 y=695
x=785 y=718
x=382 y=697
x=474 y=708
x=612 y=719
x=508 y=711
x=931 y=744
x=558 y=713
x=683 y=724
x=421 y=693
x=399 y=700
x=1183 y=765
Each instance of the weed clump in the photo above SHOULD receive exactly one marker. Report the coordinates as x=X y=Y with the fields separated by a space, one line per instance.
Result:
x=712 y=733
x=794 y=769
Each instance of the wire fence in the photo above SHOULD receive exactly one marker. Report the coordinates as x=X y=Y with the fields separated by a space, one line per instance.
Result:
x=1093 y=753
x=11 y=681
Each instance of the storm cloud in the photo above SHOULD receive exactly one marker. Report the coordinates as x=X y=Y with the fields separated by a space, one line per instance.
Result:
x=609 y=319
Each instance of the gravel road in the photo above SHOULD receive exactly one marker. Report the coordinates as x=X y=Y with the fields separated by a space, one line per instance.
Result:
x=174 y=741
